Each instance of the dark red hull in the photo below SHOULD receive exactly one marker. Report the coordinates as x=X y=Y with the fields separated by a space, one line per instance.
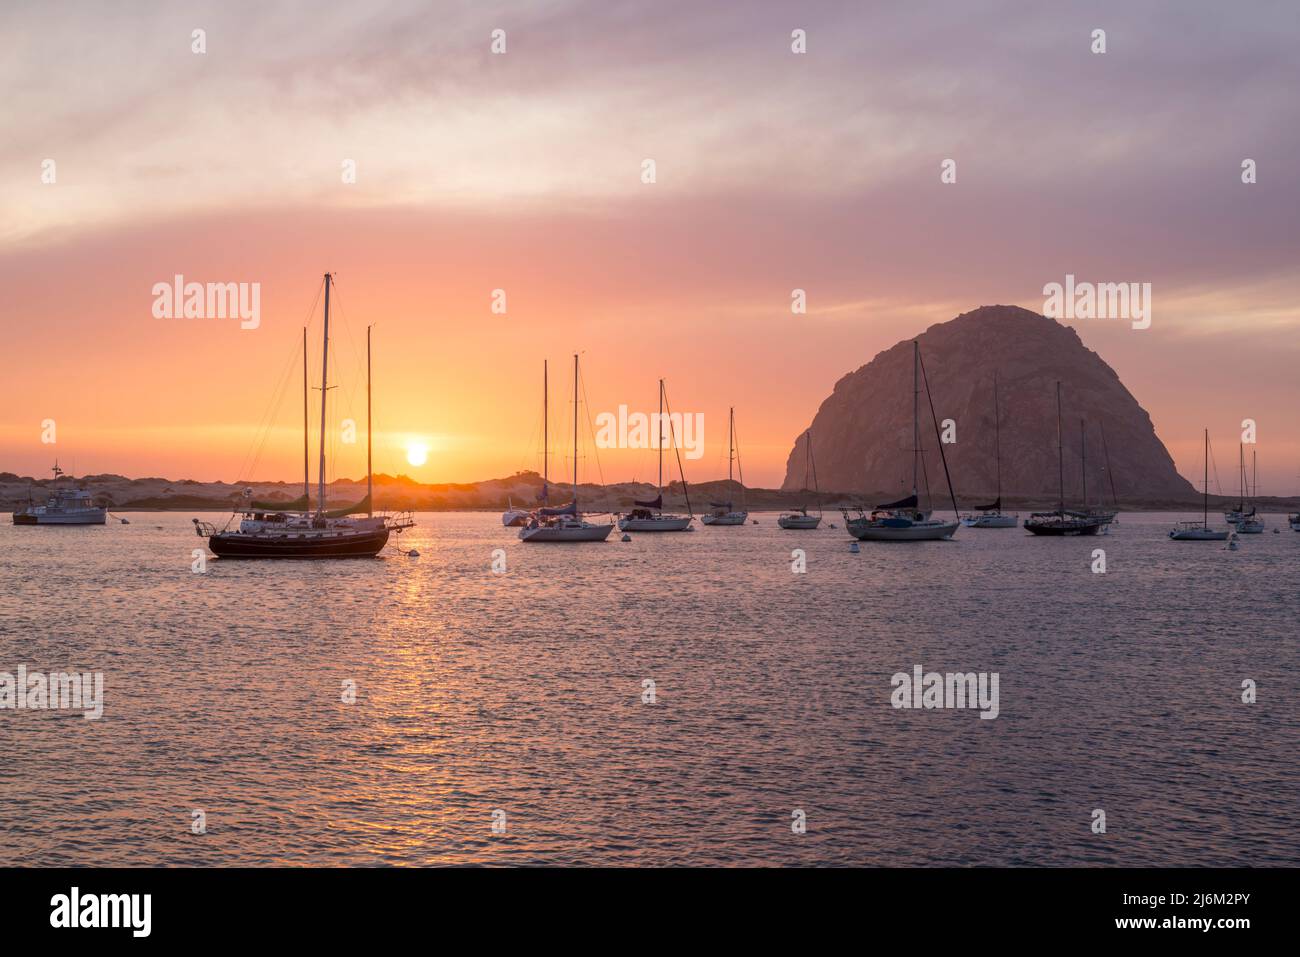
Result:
x=236 y=545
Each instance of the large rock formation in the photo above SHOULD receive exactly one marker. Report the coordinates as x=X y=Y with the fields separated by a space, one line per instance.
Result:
x=862 y=434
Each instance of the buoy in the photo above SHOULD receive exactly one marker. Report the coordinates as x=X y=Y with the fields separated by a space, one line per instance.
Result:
x=831 y=525
x=756 y=522
x=125 y=522
x=413 y=554
x=854 y=548
x=1276 y=530
x=626 y=537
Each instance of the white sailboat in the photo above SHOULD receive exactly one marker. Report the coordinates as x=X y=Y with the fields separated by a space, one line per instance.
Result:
x=991 y=515
x=1250 y=523
x=904 y=520
x=1200 y=531
x=723 y=512
x=799 y=518
x=565 y=523
x=513 y=516
x=65 y=506
x=649 y=516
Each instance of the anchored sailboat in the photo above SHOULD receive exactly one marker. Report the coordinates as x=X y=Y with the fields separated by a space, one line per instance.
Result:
x=564 y=523
x=723 y=512
x=649 y=516
x=1250 y=523
x=292 y=529
x=904 y=521
x=1200 y=531
x=1062 y=522
x=799 y=518
x=991 y=515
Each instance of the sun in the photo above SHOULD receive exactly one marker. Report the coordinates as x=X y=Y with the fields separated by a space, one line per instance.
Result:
x=417 y=453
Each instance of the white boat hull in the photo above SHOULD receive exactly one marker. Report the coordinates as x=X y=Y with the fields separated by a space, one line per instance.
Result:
x=730 y=518
x=586 y=532
x=40 y=516
x=799 y=521
x=1198 y=535
x=665 y=523
x=991 y=521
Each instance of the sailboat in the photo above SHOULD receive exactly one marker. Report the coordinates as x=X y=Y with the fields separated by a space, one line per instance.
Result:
x=515 y=516
x=564 y=523
x=649 y=516
x=904 y=520
x=991 y=515
x=1250 y=523
x=799 y=518
x=1233 y=516
x=292 y=529
x=1108 y=516
x=1062 y=522
x=1200 y=531
x=65 y=506
x=723 y=512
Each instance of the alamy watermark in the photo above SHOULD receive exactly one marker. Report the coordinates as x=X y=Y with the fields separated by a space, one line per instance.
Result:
x=1106 y=300
x=953 y=690
x=57 y=691
x=214 y=300
x=642 y=430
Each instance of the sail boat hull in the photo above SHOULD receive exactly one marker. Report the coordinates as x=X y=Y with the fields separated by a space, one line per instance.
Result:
x=877 y=531
x=662 y=523
x=991 y=521
x=364 y=543
x=799 y=521
x=584 y=532
x=728 y=518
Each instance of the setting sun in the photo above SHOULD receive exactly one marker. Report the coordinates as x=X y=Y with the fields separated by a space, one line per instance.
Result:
x=417 y=453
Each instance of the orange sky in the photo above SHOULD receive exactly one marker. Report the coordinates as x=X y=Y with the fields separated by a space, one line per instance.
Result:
x=522 y=172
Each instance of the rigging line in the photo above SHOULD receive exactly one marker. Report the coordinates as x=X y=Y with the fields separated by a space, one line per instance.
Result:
x=254 y=455
x=266 y=423
x=1215 y=468
x=934 y=418
x=736 y=440
x=595 y=449
x=678 y=453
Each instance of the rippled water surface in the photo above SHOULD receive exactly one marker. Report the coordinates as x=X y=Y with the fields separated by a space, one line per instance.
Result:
x=522 y=692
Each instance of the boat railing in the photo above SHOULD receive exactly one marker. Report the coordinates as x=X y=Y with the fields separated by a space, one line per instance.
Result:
x=204 y=529
x=397 y=521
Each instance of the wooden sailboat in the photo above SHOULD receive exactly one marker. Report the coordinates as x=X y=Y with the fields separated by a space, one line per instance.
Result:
x=564 y=523
x=991 y=515
x=904 y=520
x=1201 y=531
x=724 y=513
x=649 y=516
x=1062 y=522
x=293 y=529
x=799 y=518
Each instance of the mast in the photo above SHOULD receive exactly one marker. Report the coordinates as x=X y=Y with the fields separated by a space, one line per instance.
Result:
x=1205 y=496
x=1060 y=450
x=546 y=426
x=306 y=480
x=916 y=428
x=1114 y=499
x=1083 y=448
x=997 y=438
x=661 y=441
x=324 y=391
x=731 y=432
x=370 y=502
x=575 y=430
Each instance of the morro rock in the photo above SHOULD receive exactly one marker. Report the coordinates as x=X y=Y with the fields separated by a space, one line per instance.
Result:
x=862 y=434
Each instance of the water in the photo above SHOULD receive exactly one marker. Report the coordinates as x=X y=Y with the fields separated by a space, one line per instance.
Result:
x=522 y=692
